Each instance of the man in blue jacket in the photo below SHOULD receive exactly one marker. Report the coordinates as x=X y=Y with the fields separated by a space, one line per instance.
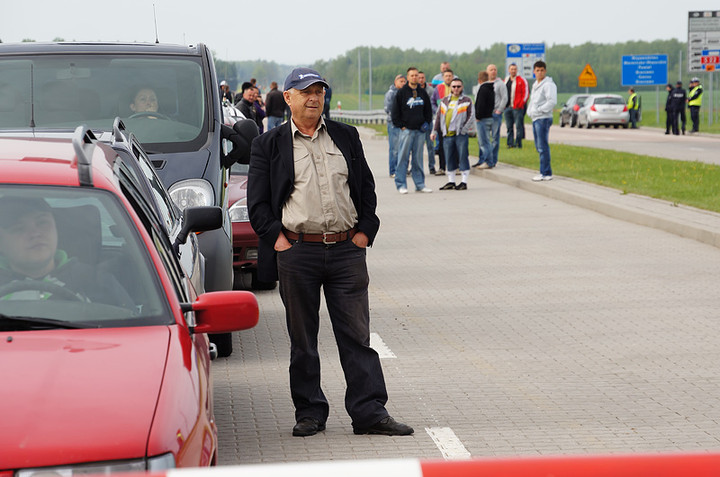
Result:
x=412 y=114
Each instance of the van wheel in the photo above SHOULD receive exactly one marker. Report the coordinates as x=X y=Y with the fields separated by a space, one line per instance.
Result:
x=258 y=285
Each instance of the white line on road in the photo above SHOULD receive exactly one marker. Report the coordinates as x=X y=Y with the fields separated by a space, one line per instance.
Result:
x=448 y=443
x=379 y=345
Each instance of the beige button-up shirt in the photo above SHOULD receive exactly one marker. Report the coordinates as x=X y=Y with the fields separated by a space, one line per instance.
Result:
x=320 y=201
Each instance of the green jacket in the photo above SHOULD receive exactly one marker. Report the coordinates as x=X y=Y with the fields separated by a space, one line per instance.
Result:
x=633 y=102
x=695 y=98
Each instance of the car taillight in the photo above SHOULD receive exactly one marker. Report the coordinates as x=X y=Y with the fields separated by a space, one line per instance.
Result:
x=592 y=108
x=576 y=108
x=624 y=108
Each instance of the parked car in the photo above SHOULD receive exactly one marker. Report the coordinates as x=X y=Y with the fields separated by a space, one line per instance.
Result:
x=167 y=95
x=106 y=358
x=604 y=110
x=245 y=240
x=569 y=111
x=231 y=114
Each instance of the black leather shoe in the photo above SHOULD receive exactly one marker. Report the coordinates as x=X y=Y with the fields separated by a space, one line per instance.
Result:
x=461 y=186
x=386 y=427
x=448 y=186
x=308 y=426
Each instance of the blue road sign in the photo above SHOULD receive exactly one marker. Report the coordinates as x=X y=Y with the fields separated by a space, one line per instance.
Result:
x=524 y=55
x=644 y=70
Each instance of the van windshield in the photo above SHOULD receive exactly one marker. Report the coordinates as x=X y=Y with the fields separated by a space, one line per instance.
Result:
x=160 y=99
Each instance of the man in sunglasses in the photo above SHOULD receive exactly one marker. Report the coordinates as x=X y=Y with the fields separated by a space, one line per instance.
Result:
x=455 y=122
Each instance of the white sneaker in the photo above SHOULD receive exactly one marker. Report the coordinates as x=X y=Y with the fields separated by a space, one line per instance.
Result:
x=402 y=190
x=425 y=190
x=541 y=177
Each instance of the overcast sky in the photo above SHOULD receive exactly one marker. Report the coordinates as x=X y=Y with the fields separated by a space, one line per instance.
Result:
x=299 y=33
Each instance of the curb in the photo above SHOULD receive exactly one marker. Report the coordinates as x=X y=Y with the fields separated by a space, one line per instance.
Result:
x=685 y=221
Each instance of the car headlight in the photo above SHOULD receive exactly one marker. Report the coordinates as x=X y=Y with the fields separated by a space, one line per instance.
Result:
x=239 y=211
x=192 y=193
x=162 y=462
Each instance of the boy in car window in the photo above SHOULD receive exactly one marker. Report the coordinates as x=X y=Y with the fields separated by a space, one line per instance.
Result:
x=33 y=268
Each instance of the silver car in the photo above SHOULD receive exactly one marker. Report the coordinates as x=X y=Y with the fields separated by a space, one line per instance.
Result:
x=604 y=109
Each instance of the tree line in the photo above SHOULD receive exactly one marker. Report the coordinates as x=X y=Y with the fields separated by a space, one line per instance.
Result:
x=565 y=63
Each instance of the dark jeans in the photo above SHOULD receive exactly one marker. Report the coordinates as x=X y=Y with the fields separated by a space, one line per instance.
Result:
x=341 y=271
x=514 y=120
x=441 y=151
x=633 y=118
x=678 y=115
x=695 y=117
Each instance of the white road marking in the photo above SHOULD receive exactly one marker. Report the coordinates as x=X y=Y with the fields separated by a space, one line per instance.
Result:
x=379 y=345
x=448 y=443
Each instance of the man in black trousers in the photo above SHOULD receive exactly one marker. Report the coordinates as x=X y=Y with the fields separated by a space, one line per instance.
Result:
x=311 y=199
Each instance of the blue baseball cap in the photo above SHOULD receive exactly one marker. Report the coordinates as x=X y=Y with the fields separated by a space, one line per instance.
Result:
x=301 y=78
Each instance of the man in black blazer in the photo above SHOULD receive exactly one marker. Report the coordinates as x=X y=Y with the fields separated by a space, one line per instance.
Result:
x=311 y=199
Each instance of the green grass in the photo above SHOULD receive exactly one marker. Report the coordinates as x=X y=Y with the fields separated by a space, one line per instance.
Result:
x=681 y=182
x=350 y=101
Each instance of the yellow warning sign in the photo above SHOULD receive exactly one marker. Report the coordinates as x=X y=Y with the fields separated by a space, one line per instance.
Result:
x=587 y=78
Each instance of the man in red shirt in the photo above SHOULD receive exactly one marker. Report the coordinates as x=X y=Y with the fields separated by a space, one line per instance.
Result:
x=517 y=87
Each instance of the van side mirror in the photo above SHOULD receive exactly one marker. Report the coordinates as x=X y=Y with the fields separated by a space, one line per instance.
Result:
x=198 y=219
x=241 y=136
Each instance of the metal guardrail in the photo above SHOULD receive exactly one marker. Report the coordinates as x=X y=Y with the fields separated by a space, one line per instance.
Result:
x=373 y=116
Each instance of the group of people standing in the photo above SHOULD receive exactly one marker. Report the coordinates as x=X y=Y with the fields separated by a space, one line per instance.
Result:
x=422 y=114
x=675 y=104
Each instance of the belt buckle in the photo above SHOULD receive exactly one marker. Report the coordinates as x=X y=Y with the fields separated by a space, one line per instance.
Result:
x=326 y=241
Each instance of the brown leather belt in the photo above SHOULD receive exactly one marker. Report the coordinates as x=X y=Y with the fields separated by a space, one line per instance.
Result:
x=326 y=238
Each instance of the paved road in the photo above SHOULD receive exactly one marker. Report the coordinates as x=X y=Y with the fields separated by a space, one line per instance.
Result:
x=649 y=141
x=514 y=323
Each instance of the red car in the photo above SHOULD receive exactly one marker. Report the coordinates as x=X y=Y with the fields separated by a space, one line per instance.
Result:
x=245 y=240
x=103 y=338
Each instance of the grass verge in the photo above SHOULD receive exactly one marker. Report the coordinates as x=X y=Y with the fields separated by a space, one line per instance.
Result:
x=681 y=182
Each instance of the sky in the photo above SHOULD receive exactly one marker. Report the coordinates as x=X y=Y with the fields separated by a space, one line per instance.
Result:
x=300 y=33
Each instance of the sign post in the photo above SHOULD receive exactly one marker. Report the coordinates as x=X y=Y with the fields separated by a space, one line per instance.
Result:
x=646 y=70
x=587 y=78
x=703 y=49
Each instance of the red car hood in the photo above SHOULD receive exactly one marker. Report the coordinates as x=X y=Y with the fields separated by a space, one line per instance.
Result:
x=78 y=395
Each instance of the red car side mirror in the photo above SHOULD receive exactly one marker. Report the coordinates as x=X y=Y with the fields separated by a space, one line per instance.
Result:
x=225 y=311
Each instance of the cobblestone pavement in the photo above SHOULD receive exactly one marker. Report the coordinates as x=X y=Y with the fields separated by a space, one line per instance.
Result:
x=521 y=324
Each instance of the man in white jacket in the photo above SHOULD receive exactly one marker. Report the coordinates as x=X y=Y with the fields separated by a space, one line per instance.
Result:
x=542 y=102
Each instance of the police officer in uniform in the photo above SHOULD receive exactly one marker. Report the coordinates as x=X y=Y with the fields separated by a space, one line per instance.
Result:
x=694 y=101
x=634 y=107
x=678 y=98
